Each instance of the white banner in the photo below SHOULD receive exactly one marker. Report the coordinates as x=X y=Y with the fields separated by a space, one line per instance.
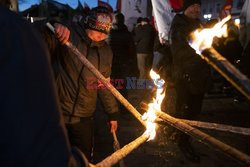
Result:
x=163 y=16
x=245 y=24
x=245 y=12
x=132 y=10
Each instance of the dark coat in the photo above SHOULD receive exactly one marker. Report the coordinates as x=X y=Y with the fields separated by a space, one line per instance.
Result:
x=32 y=132
x=77 y=94
x=245 y=61
x=122 y=44
x=124 y=53
x=144 y=39
x=187 y=65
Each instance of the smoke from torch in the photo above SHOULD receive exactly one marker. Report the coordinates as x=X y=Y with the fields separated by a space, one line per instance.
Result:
x=150 y=115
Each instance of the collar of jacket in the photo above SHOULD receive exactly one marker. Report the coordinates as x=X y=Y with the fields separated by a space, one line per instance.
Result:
x=181 y=18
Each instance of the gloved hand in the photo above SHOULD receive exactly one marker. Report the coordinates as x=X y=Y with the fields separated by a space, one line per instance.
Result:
x=62 y=33
x=113 y=126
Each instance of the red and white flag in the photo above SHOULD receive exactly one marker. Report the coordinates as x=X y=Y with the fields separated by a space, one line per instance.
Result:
x=132 y=10
x=163 y=15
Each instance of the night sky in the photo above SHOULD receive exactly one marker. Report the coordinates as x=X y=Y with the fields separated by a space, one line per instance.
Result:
x=72 y=3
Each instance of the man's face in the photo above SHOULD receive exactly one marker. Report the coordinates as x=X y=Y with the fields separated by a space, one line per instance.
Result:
x=193 y=11
x=96 y=36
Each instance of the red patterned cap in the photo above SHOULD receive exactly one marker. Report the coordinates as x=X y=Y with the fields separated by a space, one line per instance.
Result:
x=99 y=19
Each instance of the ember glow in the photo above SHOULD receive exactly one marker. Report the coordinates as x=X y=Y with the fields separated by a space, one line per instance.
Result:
x=202 y=39
x=150 y=115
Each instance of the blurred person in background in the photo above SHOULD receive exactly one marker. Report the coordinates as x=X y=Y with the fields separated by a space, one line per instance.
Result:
x=124 y=55
x=144 y=37
x=190 y=72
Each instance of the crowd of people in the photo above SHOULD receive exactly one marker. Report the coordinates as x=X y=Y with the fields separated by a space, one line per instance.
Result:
x=47 y=108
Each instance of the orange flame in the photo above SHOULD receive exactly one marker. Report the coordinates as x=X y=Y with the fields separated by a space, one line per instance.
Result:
x=150 y=115
x=237 y=22
x=202 y=39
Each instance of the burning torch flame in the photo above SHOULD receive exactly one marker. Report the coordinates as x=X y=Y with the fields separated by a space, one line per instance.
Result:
x=150 y=115
x=202 y=39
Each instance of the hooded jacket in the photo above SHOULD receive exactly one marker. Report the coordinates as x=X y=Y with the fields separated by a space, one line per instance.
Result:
x=76 y=85
x=187 y=65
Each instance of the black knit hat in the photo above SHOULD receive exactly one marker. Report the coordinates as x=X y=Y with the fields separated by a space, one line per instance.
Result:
x=99 y=19
x=188 y=3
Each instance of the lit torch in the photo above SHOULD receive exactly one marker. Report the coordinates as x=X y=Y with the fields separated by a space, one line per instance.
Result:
x=150 y=132
x=201 y=41
x=150 y=115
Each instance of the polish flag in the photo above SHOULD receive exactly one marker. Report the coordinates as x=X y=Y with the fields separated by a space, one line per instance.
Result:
x=163 y=16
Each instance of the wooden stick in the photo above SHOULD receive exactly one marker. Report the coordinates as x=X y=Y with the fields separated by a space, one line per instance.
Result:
x=208 y=125
x=107 y=84
x=118 y=155
x=99 y=76
x=200 y=136
x=227 y=70
x=117 y=147
x=219 y=127
x=172 y=121
x=203 y=137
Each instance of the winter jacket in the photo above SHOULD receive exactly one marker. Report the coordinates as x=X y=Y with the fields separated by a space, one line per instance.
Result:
x=187 y=65
x=32 y=130
x=76 y=85
x=144 y=39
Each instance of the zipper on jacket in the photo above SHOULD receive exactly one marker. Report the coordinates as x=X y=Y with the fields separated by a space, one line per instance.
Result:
x=78 y=88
